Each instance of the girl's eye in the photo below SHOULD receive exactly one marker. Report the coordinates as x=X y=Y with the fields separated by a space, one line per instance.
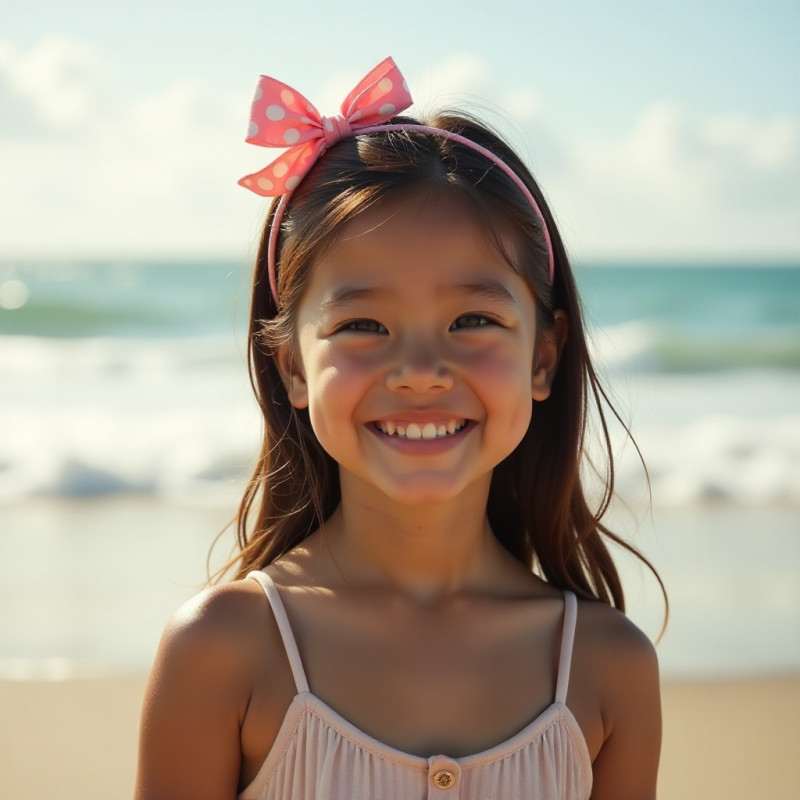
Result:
x=471 y=321
x=363 y=326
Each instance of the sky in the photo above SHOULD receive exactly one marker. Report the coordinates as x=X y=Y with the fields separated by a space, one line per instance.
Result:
x=659 y=131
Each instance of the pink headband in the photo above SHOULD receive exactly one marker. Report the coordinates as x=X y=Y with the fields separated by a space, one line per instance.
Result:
x=281 y=117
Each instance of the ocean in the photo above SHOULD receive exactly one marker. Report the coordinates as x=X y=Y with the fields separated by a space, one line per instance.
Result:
x=127 y=429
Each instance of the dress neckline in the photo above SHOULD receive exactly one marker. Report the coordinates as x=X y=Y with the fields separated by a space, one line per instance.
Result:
x=306 y=703
x=525 y=736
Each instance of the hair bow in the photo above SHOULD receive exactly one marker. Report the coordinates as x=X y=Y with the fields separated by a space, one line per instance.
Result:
x=281 y=117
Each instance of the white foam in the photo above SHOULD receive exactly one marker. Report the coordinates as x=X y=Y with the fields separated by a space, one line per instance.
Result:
x=97 y=417
x=628 y=347
x=719 y=458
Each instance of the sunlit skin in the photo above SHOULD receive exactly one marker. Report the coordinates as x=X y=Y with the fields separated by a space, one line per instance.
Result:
x=415 y=317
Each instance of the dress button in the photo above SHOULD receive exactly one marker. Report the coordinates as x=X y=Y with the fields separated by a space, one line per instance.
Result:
x=444 y=779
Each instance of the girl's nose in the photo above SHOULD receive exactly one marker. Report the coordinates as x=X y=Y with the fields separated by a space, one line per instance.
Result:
x=420 y=374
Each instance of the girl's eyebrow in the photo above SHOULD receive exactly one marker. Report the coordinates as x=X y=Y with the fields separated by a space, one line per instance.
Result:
x=486 y=289
x=349 y=294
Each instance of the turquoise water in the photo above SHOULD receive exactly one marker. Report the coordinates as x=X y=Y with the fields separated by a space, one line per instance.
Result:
x=678 y=318
x=700 y=318
x=146 y=299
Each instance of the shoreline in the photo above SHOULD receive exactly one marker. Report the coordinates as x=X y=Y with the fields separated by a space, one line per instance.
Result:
x=76 y=739
x=99 y=579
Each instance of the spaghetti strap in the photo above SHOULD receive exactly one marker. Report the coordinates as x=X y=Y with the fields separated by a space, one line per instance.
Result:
x=289 y=642
x=567 y=638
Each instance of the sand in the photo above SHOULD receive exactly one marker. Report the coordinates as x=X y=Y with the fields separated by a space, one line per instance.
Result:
x=76 y=739
x=731 y=739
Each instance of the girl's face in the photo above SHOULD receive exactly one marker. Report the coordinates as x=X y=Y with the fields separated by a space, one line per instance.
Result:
x=415 y=353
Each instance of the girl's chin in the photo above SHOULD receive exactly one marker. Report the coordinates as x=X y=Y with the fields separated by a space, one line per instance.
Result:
x=428 y=491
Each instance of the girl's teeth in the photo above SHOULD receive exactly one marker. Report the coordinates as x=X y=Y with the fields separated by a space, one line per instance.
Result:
x=427 y=431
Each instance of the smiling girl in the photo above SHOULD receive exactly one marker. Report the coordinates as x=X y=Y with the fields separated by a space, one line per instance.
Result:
x=424 y=605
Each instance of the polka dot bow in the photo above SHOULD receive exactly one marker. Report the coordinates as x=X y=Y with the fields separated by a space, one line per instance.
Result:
x=281 y=117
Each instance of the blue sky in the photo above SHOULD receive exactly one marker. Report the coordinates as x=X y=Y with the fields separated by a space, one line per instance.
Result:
x=658 y=131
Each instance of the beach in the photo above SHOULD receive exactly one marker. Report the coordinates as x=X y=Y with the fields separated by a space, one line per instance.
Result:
x=69 y=724
x=128 y=430
x=76 y=739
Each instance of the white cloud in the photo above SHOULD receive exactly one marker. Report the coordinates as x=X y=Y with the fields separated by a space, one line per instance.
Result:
x=89 y=170
x=686 y=186
x=130 y=175
x=460 y=74
x=770 y=145
x=62 y=79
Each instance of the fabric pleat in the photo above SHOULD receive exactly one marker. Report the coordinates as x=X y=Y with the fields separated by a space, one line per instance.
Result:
x=317 y=760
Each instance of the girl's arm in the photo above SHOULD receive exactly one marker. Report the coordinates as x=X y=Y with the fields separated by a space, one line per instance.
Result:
x=189 y=747
x=627 y=670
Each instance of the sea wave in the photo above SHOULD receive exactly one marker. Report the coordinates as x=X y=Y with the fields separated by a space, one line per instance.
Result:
x=176 y=418
x=652 y=348
x=104 y=416
x=716 y=459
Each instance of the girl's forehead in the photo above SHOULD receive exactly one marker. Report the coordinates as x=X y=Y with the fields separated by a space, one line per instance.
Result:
x=416 y=214
x=404 y=245
x=417 y=231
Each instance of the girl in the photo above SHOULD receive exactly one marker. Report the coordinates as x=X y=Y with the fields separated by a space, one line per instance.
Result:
x=424 y=606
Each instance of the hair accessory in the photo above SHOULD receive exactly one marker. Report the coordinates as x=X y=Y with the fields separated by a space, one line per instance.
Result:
x=281 y=117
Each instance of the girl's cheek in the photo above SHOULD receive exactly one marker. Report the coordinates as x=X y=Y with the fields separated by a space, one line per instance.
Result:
x=351 y=365
x=499 y=363
x=334 y=381
x=348 y=363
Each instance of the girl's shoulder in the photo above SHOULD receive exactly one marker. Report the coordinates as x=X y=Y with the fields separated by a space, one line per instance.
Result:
x=225 y=625
x=609 y=634
x=217 y=653
x=610 y=651
x=614 y=684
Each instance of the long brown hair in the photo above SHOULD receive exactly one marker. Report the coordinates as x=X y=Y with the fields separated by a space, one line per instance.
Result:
x=537 y=506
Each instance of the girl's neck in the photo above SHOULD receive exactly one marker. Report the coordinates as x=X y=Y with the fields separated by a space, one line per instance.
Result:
x=424 y=552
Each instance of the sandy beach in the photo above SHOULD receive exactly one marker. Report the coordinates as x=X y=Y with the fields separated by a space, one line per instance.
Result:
x=76 y=739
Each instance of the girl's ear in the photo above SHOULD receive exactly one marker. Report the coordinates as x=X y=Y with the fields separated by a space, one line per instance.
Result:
x=292 y=377
x=548 y=354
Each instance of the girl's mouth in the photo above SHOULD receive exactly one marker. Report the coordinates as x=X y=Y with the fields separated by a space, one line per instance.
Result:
x=426 y=430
